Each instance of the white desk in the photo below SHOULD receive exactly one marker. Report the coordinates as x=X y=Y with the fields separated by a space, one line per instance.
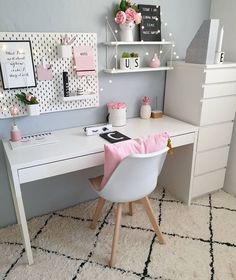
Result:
x=75 y=151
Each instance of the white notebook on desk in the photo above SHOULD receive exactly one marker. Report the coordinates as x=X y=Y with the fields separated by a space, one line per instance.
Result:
x=34 y=140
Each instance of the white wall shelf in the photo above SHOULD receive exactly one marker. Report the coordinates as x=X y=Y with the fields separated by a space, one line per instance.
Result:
x=113 y=47
x=120 y=43
x=87 y=95
x=141 y=69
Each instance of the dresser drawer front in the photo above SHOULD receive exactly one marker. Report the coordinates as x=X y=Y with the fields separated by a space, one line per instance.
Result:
x=220 y=75
x=208 y=182
x=214 y=136
x=218 y=110
x=211 y=160
x=216 y=90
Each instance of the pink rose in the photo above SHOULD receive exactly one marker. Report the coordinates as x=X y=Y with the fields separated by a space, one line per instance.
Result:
x=120 y=17
x=14 y=110
x=29 y=97
x=138 y=18
x=130 y=15
x=116 y=105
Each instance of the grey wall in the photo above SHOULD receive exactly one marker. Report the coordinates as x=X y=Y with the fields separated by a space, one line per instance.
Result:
x=225 y=11
x=183 y=18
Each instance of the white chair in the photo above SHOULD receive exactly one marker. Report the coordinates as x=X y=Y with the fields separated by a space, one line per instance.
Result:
x=132 y=181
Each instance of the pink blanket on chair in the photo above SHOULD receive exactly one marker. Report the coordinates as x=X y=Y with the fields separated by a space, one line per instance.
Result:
x=115 y=153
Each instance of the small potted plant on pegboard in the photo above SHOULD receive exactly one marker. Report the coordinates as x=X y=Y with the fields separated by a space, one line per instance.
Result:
x=145 y=110
x=31 y=103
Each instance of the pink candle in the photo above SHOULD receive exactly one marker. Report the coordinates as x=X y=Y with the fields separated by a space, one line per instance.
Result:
x=15 y=134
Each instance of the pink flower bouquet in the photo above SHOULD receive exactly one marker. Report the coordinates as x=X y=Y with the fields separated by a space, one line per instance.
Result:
x=125 y=12
x=116 y=105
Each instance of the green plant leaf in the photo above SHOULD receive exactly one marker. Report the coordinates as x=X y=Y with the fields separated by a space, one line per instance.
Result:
x=125 y=55
x=123 y=5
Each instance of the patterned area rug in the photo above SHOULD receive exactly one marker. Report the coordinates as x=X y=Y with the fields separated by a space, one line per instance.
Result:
x=201 y=243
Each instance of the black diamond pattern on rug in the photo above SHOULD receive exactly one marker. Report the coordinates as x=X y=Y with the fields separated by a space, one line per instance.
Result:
x=201 y=242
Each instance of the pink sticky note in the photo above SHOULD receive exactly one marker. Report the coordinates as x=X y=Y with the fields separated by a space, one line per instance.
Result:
x=44 y=74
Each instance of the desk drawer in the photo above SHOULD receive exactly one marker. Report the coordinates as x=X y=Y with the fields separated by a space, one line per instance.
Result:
x=214 y=136
x=211 y=160
x=218 y=110
x=220 y=75
x=181 y=140
x=60 y=167
x=208 y=182
x=216 y=90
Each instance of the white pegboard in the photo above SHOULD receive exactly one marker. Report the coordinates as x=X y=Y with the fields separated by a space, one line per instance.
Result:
x=48 y=92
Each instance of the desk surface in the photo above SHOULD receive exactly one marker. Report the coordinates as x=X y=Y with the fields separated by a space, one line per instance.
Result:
x=74 y=143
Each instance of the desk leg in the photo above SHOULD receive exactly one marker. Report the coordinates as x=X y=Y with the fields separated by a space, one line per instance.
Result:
x=9 y=173
x=20 y=213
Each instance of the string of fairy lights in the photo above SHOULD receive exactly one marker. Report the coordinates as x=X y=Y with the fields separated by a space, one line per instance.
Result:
x=175 y=56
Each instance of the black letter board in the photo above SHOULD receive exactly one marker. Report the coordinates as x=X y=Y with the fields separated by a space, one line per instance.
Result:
x=150 y=27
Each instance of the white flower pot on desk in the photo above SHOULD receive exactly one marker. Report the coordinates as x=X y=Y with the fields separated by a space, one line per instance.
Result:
x=33 y=110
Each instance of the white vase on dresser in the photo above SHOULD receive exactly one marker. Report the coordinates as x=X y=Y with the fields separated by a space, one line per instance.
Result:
x=205 y=95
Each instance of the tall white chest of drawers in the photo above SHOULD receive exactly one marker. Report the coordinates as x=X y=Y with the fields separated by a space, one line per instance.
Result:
x=205 y=95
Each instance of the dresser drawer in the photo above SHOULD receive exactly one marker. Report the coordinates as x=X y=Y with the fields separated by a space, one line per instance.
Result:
x=220 y=75
x=216 y=90
x=217 y=110
x=211 y=160
x=214 y=136
x=208 y=182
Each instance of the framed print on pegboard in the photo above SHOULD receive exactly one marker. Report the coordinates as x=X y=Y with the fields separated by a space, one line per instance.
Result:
x=150 y=27
x=17 y=68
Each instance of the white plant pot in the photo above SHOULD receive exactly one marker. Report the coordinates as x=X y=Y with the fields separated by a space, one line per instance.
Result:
x=134 y=62
x=145 y=111
x=126 y=32
x=33 y=110
x=117 y=117
x=124 y=63
x=64 y=51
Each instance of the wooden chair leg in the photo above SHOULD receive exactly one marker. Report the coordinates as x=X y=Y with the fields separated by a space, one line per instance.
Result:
x=98 y=212
x=130 y=213
x=116 y=234
x=146 y=203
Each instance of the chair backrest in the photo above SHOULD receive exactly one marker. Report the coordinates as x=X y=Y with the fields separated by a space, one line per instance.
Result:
x=135 y=177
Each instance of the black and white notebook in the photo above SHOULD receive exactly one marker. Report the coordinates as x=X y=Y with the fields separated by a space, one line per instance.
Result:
x=114 y=136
